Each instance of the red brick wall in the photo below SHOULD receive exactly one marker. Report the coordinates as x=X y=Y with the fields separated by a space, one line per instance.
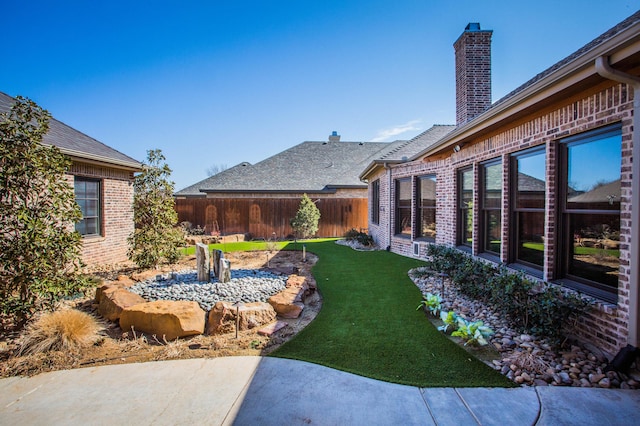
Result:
x=607 y=326
x=473 y=74
x=117 y=214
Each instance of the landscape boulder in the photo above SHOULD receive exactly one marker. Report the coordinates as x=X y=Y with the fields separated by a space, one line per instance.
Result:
x=222 y=318
x=289 y=303
x=164 y=318
x=112 y=299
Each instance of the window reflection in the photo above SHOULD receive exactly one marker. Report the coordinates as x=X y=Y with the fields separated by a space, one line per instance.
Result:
x=529 y=208
x=426 y=190
x=492 y=207
x=592 y=208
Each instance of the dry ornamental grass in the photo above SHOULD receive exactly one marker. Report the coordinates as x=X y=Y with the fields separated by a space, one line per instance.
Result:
x=64 y=330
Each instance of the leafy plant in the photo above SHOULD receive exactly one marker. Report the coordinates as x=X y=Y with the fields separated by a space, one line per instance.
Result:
x=538 y=308
x=305 y=222
x=39 y=250
x=472 y=332
x=450 y=320
x=433 y=303
x=361 y=237
x=155 y=238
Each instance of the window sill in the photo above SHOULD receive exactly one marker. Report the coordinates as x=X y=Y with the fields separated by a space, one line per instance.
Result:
x=490 y=257
x=599 y=294
x=425 y=240
x=403 y=236
x=92 y=238
x=536 y=273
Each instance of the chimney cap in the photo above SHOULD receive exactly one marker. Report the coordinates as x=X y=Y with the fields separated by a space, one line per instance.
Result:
x=473 y=26
x=334 y=137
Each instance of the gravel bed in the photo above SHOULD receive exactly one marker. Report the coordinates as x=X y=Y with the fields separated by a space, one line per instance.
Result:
x=246 y=285
x=525 y=359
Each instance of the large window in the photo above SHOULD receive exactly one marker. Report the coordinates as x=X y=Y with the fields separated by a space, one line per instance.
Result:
x=375 y=201
x=529 y=175
x=491 y=207
x=590 y=209
x=403 y=207
x=426 y=207
x=87 y=193
x=465 y=207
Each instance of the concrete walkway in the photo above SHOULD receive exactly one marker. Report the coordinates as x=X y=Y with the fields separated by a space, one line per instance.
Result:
x=273 y=391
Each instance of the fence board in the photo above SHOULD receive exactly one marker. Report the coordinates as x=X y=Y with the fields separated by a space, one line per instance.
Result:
x=269 y=217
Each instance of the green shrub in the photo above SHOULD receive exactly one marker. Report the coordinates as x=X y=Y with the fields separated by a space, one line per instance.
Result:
x=549 y=311
x=155 y=238
x=361 y=237
x=305 y=222
x=40 y=252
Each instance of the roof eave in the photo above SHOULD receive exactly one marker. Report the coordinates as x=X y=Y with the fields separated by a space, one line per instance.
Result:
x=84 y=157
x=374 y=165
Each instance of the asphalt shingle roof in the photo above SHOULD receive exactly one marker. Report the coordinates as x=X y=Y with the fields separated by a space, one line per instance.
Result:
x=75 y=143
x=306 y=167
x=402 y=150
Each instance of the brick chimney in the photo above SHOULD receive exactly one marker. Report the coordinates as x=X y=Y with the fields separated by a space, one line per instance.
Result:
x=473 y=72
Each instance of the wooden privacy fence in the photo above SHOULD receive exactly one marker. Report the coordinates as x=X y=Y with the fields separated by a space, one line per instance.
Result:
x=269 y=217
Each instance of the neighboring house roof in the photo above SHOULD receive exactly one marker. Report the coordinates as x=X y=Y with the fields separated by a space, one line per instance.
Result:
x=556 y=82
x=76 y=144
x=310 y=167
x=528 y=183
x=606 y=193
x=402 y=151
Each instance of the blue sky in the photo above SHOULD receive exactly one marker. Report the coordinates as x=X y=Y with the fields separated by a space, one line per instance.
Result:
x=217 y=83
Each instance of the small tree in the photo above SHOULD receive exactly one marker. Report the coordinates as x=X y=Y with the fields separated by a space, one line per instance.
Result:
x=39 y=249
x=305 y=222
x=155 y=238
x=216 y=168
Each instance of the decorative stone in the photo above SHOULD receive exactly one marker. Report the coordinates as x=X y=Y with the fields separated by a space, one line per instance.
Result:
x=273 y=328
x=222 y=318
x=203 y=263
x=288 y=303
x=224 y=271
x=217 y=255
x=125 y=281
x=114 y=299
x=164 y=318
x=604 y=383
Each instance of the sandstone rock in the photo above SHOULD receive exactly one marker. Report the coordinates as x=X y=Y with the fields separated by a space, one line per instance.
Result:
x=164 y=318
x=114 y=299
x=145 y=275
x=102 y=289
x=222 y=318
x=125 y=281
x=288 y=303
x=270 y=329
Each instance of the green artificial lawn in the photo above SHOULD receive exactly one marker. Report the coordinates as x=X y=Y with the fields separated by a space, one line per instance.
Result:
x=369 y=325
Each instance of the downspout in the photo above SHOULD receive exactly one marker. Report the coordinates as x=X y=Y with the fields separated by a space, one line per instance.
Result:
x=604 y=69
x=389 y=206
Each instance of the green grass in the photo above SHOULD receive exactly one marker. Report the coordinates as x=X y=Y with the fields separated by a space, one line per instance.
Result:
x=368 y=325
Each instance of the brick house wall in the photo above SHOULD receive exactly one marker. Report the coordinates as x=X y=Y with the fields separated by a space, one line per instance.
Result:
x=607 y=326
x=116 y=187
